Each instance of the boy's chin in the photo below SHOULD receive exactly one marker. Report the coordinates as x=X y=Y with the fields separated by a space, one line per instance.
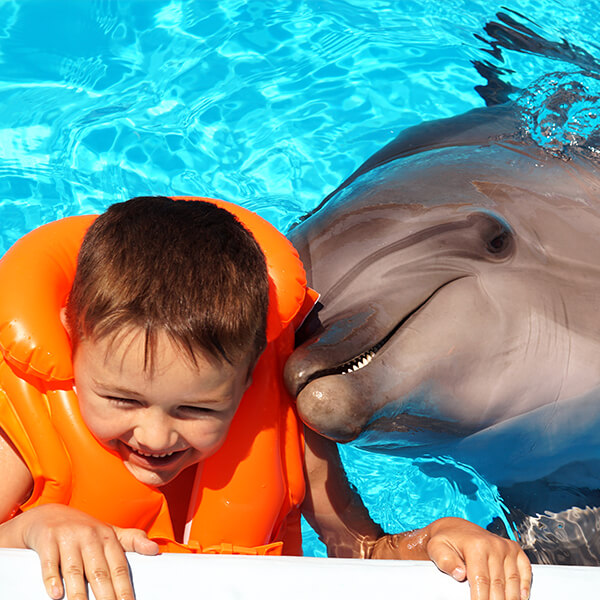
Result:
x=152 y=478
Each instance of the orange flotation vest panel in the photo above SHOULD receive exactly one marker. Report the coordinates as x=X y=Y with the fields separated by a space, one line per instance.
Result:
x=245 y=497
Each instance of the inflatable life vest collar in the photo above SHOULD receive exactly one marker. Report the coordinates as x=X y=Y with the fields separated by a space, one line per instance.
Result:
x=42 y=265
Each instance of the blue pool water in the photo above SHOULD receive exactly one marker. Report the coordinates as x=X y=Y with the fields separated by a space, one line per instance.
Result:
x=268 y=104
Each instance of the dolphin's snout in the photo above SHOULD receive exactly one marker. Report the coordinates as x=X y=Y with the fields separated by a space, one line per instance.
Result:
x=333 y=409
x=297 y=372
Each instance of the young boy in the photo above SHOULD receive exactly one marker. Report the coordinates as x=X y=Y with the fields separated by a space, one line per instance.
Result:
x=163 y=424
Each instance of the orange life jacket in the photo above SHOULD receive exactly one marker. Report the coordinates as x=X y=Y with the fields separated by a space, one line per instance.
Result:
x=244 y=499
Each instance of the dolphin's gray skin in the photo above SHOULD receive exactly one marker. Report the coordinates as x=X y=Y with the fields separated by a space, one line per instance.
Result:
x=459 y=273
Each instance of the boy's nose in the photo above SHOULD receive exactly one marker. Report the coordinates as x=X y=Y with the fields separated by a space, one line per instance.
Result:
x=154 y=433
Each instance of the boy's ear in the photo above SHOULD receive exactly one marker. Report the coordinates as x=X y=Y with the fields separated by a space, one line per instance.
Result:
x=63 y=320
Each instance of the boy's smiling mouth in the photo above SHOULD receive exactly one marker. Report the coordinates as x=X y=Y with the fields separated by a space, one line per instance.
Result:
x=154 y=455
x=150 y=460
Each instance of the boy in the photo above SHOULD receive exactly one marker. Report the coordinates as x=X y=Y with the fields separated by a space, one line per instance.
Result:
x=173 y=432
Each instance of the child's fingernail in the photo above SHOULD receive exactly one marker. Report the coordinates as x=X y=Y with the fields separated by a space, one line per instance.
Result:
x=55 y=590
x=458 y=573
x=524 y=594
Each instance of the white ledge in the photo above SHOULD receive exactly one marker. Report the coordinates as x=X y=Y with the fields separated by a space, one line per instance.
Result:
x=274 y=578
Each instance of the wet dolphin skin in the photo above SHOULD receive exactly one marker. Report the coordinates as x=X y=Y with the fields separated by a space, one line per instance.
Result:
x=459 y=273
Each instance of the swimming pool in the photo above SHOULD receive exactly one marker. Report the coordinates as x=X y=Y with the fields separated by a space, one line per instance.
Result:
x=266 y=104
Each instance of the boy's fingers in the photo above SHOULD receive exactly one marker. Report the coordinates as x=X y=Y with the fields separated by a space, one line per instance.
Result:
x=71 y=564
x=478 y=574
x=513 y=580
x=510 y=579
x=97 y=573
x=459 y=572
x=49 y=560
x=479 y=584
x=107 y=571
x=447 y=560
x=102 y=563
x=526 y=575
x=497 y=569
x=142 y=545
x=136 y=540
x=497 y=577
x=119 y=569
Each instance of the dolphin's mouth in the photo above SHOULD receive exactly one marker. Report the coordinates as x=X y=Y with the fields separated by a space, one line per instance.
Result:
x=364 y=358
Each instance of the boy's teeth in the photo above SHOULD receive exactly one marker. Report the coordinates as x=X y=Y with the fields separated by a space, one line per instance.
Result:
x=154 y=455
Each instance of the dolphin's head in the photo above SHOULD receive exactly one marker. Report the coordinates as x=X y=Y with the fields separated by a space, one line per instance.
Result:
x=458 y=276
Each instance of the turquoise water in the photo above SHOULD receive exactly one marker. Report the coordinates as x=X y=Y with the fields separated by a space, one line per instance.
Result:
x=268 y=104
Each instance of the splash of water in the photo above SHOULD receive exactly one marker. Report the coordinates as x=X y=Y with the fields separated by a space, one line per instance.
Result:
x=561 y=112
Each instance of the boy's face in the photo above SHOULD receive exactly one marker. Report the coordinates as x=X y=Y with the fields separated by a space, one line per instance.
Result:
x=159 y=421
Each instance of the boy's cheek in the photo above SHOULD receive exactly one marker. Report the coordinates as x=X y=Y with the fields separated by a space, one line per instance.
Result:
x=104 y=427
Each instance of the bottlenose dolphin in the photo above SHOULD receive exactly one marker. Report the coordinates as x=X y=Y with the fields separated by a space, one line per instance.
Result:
x=459 y=273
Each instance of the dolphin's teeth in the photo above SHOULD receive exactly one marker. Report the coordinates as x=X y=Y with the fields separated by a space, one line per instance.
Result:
x=360 y=361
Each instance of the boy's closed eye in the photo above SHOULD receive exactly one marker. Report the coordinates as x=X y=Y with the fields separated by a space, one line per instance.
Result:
x=196 y=411
x=184 y=410
x=124 y=402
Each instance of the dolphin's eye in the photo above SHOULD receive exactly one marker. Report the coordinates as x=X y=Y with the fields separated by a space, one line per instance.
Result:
x=495 y=232
x=499 y=243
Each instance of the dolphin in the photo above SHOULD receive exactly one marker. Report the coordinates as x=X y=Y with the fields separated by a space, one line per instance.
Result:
x=459 y=273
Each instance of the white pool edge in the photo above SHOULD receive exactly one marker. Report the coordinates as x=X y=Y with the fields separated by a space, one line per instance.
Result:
x=179 y=577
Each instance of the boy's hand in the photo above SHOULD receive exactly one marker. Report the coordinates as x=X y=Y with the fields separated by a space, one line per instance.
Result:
x=497 y=568
x=82 y=548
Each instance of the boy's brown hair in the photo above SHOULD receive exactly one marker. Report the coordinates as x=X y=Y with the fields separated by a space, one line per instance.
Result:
x=185 y=268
